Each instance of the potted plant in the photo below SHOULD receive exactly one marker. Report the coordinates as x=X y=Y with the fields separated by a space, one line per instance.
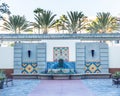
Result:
x=116 y=75
x=2 y=77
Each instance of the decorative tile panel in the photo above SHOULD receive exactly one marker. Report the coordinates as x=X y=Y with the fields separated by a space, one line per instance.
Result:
x=60 y=53
x=29 y=68
x=92 y=67
x=67 y=65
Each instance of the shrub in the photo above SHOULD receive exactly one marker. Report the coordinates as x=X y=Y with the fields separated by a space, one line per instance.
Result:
x=116 y=75
x=2 y=75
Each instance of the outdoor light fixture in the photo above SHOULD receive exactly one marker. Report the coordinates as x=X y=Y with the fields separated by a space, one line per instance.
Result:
x=29 y=53
x=92 y=52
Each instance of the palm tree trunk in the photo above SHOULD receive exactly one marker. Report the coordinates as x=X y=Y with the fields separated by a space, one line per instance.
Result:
x=45 y=30
x=18 y=30
x=57 y=28
x=15 y=32
x=38 y=30
x=74 y=32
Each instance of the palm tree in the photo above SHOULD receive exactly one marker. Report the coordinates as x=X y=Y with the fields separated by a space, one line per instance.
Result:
x=60 y=23
x=104 y=23
x=4 y=9
x=37 y=24
x=75 y=21
x=38 y=11
x=57 y=25
x=93 y=27
x=45 y=20
x=63 y=20
x=16 y=24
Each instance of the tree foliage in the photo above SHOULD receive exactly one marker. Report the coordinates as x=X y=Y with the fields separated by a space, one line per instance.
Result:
x=44 y=20
x=104 y=23
x=16 y=24
x=4 y=9
x=75 y=21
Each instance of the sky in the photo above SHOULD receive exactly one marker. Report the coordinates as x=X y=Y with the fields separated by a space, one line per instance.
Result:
x=59 y=7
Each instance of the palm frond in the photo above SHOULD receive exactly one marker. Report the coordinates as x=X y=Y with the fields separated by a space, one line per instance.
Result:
x=75 y=21
x=16 y=24
x=104 y=23
x=45 y=20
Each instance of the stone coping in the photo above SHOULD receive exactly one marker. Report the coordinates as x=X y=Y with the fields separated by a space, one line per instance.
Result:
x=37 y=37
x=44 y=74
x=96 y=74
x=24 y=74
x=48 y=76
x=84 y=74
x=62 y=76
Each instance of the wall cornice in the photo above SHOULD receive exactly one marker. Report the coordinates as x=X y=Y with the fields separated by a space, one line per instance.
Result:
x=38 y=37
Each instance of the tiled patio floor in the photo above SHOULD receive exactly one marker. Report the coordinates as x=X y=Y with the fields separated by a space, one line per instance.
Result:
x=102 y=87
x=20 y=88
x=84 y=87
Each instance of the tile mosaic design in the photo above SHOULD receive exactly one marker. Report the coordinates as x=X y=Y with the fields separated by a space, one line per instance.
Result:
x=29 y=68
x=60 y=53
x=92 y=67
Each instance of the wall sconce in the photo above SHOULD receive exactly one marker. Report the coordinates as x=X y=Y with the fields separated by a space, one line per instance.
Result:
x=92 y=53
x=29 y=53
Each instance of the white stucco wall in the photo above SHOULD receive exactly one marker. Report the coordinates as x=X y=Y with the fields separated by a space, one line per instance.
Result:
x=61 y=43
x=114 y=56
x=6 y=57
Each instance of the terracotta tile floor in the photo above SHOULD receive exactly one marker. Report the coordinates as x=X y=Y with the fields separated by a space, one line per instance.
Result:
x=61 y=88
